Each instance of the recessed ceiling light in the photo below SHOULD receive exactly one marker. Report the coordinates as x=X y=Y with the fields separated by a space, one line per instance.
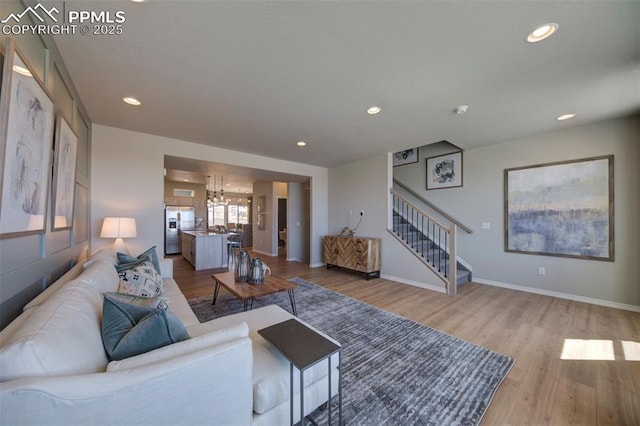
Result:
x=137 y=1
x=301 y=143
x=461 y=109
x=542 y=32
x=22 y=70
x=132 y=101
x=373 y=110
x=565 y=117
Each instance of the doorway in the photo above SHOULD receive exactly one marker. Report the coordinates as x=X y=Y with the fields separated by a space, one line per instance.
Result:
x=282 y=226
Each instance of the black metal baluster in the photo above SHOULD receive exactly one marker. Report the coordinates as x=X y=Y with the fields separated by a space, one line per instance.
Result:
x=447 y=258
x=422 y=240
x=439 y=250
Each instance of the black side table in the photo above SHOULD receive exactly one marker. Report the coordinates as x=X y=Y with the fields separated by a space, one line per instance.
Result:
x=304 y=348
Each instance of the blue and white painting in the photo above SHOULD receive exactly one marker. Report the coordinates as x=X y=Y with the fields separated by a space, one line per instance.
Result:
x=561 y=209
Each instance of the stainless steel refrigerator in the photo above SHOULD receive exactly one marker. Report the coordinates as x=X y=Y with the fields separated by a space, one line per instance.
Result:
x=176 y=220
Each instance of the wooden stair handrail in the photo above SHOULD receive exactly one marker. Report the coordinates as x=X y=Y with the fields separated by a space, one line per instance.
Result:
x=434 y=207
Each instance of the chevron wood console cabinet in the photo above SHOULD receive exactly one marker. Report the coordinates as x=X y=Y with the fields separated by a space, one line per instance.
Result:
x=356 y=253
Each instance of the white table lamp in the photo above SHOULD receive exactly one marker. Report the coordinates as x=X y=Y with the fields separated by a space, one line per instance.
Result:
x=119 y=228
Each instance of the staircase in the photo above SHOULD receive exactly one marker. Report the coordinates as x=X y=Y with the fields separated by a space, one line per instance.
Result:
x=435 y=255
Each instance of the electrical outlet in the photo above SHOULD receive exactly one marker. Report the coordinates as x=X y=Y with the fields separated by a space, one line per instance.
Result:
x=486 y=225
x=541 y=270
x=361 y=212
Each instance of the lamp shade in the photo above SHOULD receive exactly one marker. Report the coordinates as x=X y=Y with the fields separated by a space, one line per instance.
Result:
x=118 y=227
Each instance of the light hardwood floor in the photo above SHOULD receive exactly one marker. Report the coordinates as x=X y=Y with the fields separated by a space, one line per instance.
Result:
x=542 y=388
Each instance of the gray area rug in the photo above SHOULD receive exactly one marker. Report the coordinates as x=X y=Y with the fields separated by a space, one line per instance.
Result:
x=395 y=371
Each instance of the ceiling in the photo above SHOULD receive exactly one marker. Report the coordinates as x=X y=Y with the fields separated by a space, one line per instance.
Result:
x=259 y=76
x=233 y=179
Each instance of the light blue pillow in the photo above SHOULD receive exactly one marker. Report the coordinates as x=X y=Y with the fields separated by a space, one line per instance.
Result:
x=151 y=253
x=122 y=266
x=129 y=330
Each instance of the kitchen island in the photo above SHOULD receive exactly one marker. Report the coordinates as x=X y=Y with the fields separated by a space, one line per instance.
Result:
x=205 y=250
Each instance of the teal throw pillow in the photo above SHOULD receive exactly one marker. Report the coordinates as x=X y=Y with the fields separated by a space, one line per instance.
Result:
x=124 y=258
x=129 y=330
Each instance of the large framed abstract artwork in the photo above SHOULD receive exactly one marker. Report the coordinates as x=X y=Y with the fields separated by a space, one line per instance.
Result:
x=444 y=171
x=26 y=120
x=64 y=175
x=561 y=209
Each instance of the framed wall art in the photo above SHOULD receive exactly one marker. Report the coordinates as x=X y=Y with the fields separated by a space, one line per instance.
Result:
x=262 y=212
x=26 y=120
x=561 y=209
x=408 y=156
x=444 y=171
x=64 y=175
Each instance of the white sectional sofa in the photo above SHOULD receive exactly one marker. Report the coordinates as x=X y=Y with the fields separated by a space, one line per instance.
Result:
x=54 y=369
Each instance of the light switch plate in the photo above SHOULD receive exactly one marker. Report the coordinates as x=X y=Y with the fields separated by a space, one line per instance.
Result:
x=486 y=225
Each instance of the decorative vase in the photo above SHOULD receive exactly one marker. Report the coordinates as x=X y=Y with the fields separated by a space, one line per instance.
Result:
x=243 y=263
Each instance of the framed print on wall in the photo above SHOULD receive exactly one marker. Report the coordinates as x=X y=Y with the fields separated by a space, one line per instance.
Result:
x=64 y=175
x=262 y=212
x=26 y=120
x=408 y=156
x=561 y=209
x=444 y=171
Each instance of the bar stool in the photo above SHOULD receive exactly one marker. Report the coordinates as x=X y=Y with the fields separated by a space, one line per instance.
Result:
x=234 y=241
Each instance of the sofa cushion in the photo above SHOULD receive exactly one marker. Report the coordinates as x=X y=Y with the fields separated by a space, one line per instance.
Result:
x=104 y=254
x=60 y=337
x=100 y=275
x=130 y=329
x=140 y=279
x=150 y=253
x=270 y=368
x=178 y=303
x=196 y=343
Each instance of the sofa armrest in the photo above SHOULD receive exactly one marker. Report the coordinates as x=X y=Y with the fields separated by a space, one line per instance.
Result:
x=209 y=385
x=166 y=267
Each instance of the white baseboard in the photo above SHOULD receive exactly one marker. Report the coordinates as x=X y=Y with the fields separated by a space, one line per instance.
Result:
x=575 y=298
x=317 y=265
x=265 y=253
x=414 y=283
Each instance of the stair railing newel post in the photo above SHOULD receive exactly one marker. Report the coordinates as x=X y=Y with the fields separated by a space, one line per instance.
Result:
x=453 y=270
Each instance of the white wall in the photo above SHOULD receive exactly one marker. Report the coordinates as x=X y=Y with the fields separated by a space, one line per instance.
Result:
x=364 y=185
x=127 y=180
x=28 y=264
x=481 y=200
x=263 y=239
x=298 y=213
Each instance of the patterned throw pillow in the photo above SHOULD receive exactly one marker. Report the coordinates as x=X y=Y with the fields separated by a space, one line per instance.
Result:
x=146 y=302
x=140 y=279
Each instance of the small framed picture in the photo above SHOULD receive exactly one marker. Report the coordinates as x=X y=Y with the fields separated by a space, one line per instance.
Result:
x=408 y=156
x=444 y=171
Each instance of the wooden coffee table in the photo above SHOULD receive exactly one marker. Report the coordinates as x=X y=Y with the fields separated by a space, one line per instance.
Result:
x=247 y=292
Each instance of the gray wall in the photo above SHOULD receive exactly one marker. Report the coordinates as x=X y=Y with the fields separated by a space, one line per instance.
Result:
x=481 y=200
x=364 y=185
x=298 y=215
x=29 y=264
